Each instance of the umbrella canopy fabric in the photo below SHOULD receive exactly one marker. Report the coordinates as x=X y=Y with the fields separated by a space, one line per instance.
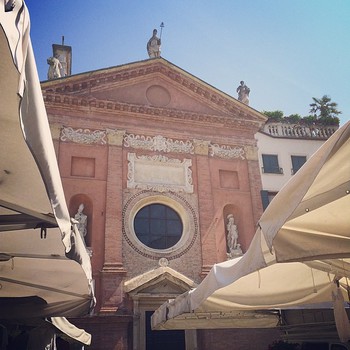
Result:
x=308 y=220
x=72 y=331
x=45 y=269
x=301 y=246
x=29 y=167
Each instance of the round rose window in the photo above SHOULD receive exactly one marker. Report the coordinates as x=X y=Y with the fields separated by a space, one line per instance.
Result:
x=158 y=226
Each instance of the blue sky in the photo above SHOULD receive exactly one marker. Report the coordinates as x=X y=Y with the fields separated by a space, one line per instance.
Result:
x=287 y=51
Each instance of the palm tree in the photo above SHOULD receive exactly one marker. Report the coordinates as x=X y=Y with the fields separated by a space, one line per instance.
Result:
x=323 y=108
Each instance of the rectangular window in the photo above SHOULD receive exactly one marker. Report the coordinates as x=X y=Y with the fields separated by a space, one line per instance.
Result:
x=297 y=163
x=267 y=197
x=270 y=164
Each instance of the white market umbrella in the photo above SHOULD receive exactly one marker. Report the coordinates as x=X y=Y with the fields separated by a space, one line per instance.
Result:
x=44 y=267
x=302 y=245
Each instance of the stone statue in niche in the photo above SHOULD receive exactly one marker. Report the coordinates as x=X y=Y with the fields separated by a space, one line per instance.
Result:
x=55 y=67
x=153 y=45
x=243 y=93
x=234 y=248
x=81 y=219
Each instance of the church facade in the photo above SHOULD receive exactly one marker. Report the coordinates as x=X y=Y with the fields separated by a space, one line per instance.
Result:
x=156 y=160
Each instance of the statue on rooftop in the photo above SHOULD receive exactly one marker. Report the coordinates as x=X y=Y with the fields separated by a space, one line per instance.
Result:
x=55 y=67
x=243 y=93
x=153 y=45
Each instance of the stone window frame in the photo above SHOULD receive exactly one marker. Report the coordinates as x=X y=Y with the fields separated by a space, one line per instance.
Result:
x=174 y=201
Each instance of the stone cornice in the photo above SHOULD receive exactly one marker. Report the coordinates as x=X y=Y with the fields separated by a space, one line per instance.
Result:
x=96 y=80
x=70 y=101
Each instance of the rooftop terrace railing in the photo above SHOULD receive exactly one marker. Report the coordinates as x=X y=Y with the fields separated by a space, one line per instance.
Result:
x=287 y=130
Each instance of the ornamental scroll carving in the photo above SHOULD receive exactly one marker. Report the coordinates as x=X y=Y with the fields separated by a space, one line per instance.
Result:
x=159 y=173
x=158 y=143
x=85 y=136
x=226 y=152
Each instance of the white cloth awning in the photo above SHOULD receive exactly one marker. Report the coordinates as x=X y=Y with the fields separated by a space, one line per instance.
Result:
x=72 y=331
x=301 y=246
x=45 y=269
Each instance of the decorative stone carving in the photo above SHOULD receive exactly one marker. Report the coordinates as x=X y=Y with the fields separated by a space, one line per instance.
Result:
x=115 y=137
x=201 y=147
x=158 y=143
x=81 y=220
x=226 y=152
x=186 y=206
x=84 y=136
x=163 y=262
x=234 y=248
x=159 y=173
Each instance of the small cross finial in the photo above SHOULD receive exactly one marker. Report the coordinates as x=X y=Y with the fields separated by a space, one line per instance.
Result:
x=161 y=29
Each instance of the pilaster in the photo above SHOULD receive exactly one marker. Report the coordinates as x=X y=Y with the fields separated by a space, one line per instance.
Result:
x=113 y=270
x=205 y=205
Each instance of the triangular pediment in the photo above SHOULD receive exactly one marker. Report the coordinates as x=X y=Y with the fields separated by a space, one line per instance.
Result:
x=162 y=280
x=150 y=84
x=156 y=91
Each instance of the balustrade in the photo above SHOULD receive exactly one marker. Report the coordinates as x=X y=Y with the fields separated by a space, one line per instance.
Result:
x=299 y=131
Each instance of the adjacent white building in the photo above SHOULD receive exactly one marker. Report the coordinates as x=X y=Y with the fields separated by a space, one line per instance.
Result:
x=282 y=149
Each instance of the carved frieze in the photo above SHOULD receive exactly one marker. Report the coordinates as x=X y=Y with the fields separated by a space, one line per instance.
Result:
x=85 y=136
x=158 y=143
x=159 y=173
x=227 y=152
